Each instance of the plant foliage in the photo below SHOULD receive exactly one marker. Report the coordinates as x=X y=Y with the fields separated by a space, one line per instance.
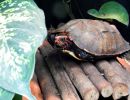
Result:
x=22 y=30
x=111 y=10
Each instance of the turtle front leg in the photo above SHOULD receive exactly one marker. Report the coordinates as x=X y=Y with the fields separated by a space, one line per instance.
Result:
x=81 y=54
x=124 y=60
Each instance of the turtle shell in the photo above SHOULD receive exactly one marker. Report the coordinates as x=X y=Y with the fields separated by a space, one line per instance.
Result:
x=95 y=36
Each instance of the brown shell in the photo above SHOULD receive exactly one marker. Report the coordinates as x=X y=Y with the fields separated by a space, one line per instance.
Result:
x=96 y=37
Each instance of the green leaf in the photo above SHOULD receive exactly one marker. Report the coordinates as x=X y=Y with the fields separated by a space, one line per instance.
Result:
x=17 y=97
x=111 y=10
x=22 y=31
x=6 y=94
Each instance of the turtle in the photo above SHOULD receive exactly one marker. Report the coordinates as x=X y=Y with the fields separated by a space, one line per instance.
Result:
x=89 y=39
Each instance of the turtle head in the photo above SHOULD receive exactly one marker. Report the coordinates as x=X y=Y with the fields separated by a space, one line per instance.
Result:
x=56 y=40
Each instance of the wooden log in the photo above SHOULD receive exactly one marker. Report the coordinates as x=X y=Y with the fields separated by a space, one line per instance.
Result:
x=66 y=88
x=98 y=80
x=46 y=49
x=80 y=80
x=119 y=69
x=35 y=89
x=46 y=82
x=125 y=75
x=119 y=86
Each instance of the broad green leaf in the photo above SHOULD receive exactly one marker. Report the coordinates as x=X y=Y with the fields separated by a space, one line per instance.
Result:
x=22 y=30
x=6 y=94
x=111 y=10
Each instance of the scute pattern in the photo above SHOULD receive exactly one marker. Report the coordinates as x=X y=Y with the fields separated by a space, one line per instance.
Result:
x=96 y=37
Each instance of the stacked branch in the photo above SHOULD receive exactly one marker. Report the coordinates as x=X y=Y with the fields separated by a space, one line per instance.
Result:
x=46 y=82
x=61 y=78
x=98 y=80
x=119 y=85
x=46 y=49
x=112 y=70
x=125 y=75
x=80 y=80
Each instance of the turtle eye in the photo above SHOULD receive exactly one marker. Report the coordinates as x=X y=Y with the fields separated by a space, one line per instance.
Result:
x=51 y=38
x=63 y=39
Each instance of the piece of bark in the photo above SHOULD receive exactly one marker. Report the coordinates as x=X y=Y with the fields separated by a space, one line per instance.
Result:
x=80 y=80
x=98 y=80
x=35 y=89
x=120 y=88
x=66 y=88
x=124 y=63
x=46 y=82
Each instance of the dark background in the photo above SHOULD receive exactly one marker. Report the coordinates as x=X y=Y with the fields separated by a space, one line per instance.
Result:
x=55 y=12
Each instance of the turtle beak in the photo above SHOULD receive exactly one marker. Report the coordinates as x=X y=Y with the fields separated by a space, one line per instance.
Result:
x=51 y=39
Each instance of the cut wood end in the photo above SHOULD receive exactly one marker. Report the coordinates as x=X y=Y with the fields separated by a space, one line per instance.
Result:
x=91 y=95
x=120 y=90
x=52 y=97
x=70 y=98
x=107 y=91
